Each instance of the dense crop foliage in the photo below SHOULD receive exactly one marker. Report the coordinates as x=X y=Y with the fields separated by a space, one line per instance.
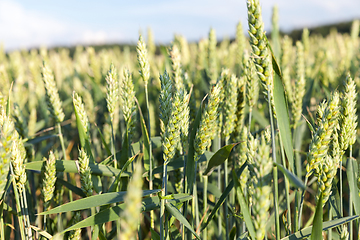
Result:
x=253 y=138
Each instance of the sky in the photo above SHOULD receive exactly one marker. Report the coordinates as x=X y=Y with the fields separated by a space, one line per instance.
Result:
x=27 y=24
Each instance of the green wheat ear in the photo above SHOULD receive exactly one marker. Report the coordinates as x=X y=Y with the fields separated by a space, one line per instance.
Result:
x=127 y=94
x=175 y=57
x=130 y=217
x=112 y=95
x=52 y=96
x=208 y=122
x=143 y=60
x=85 y=173
x=299 y=88
x=348 y=117
x=231 y=102
x=212 y=59
x=49 y=179
x=319 y=145
x=6 y=141
x=261 y=54
x=165 y=99
x=80 y=109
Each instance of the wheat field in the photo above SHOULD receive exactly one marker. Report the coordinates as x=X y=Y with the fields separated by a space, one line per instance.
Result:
x=254 y=138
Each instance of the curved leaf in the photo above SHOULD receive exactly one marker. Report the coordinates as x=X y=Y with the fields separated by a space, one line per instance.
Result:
x=71 y=167
x=351 y=171
x=177 y=214
x=190 y=162
x=316 y=232
x=244 y=207
x=118 y=177
x=113 y=213
x=219 y=158
x=294 y=180
x=283 y=119
x=305 y=232
x=223 y=197
x=94 y=201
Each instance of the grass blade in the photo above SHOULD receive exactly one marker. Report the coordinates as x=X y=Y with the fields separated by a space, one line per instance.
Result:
x=219 y=158
x=283 y=118
x=223 y=197
x=94 y=201
x=190 y=163
x=177 y=214
x=118 y=177
x=316 y=232
x=244 y=207
x=351 y=171
x=71 y=167
x=305 y=232
x=294 y=180
x=112 y=214
x=146 y=142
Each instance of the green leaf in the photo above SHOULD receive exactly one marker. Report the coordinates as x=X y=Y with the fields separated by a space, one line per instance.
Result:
x=190 y=162
x=85 y=144
x=244 y=207
x=154 y=234
x=40 y=139
x=118 y=177
x=71 y=167
x=113 y=213
x=177 y=214
x=41 y=232
x=283 y=119
x=179 y=163
x=71 y=187
x=351 y=171
x=282 y=110
x=94 y=201
x=223 y=197
x=316 y=232
x=107 y=148
x=334 y=200
x=219 y=158
x=294 y=180
x=124 y=153
x=305 y=232
x=155 y=143
x=146 y=141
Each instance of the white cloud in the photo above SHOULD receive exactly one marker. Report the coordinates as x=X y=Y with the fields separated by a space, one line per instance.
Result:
x=23 y=28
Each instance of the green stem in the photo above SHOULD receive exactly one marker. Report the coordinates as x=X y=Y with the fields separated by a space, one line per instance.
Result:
x=287 y=188
x=162 y=203
x=150 y=153
x=226 y=173
x=26 y=227
x=112 y=142
x=217 y=146
x=196 y=206
x=302 y=203
x=330 y=218
x=61 y=140
x=275 y=173
x=341 y=188
x=26 y=211
x=350 y=204
x=18 y=207
x=2 y=230
x=205 y=203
